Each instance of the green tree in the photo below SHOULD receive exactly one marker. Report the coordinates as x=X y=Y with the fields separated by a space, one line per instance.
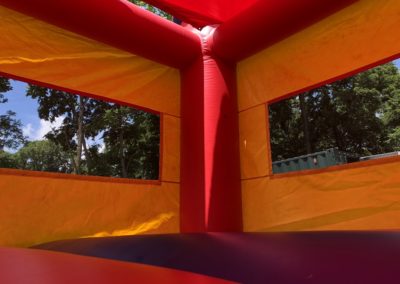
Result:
x=131 y=140
x=391 y=110
x=152 y=9
x=43 y=155
x=7 y=160
x=79 y=118
x=285 y=129
x=131 y=136
x=11 y=135
x=358 y=115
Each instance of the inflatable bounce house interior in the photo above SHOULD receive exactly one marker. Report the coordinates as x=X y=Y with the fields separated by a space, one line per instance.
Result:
x=217 y=213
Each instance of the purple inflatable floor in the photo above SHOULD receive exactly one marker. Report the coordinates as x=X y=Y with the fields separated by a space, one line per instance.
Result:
x=307 y=257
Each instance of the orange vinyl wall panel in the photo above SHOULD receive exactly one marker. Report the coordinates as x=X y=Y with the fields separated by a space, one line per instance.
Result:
x=42 y=52
x=40 y=207
x=34 y=210
x=366 y=196
x=254 y=143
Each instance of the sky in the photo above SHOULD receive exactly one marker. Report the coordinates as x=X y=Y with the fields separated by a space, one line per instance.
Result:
x=397 y=63
x=26 y=111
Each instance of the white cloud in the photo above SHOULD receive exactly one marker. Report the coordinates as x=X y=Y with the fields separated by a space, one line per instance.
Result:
x=102 y=147
x=98 y=140
x=47 y=126
x=28 y=130
x=44 y=127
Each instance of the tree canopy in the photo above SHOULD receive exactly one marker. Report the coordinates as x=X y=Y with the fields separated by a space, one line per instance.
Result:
x=42 y=155
x=359 y=115
x=11 y=135
x=94 y=137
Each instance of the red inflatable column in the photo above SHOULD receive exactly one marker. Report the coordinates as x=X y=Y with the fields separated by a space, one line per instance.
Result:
x=192 y=149
x=210 y=175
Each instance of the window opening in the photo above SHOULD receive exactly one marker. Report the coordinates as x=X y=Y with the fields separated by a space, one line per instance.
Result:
x=49 y=130
x=350 y=120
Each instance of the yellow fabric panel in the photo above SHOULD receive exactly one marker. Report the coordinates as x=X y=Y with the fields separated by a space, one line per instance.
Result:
x=171 y=149
x=38 y=51
x=254 y=157
x=363 y=33
x=40 y=209
x=361 y=198
x=366 y=197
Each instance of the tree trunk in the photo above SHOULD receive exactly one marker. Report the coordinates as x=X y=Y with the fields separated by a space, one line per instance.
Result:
x=124 y=171
x=121 y=143
x=87 y=155
x=306 y=126
x=338 y=136
x=79 y=135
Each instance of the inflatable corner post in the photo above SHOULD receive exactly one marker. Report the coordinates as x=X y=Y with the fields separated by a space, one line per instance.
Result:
x=210 y=80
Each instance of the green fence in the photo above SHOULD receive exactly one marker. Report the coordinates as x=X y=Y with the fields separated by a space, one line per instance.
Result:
x=317 y=160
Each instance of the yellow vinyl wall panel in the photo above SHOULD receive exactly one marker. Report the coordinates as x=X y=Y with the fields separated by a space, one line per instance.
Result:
x=41 y=207
x=170 y=170
x=364 y=197
x=38 y=51
x=34 y=210
x=254 y=156
x=363 y=33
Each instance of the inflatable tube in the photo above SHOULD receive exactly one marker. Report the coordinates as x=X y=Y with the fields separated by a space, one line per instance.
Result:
x=267 y=22
x=117 y=23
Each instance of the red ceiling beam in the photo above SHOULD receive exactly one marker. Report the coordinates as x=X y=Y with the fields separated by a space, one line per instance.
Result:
x=117 y=23
x=267 y=22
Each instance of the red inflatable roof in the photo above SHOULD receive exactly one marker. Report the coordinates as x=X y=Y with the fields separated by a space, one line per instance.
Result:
x=205 y=12
x=245 y=26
